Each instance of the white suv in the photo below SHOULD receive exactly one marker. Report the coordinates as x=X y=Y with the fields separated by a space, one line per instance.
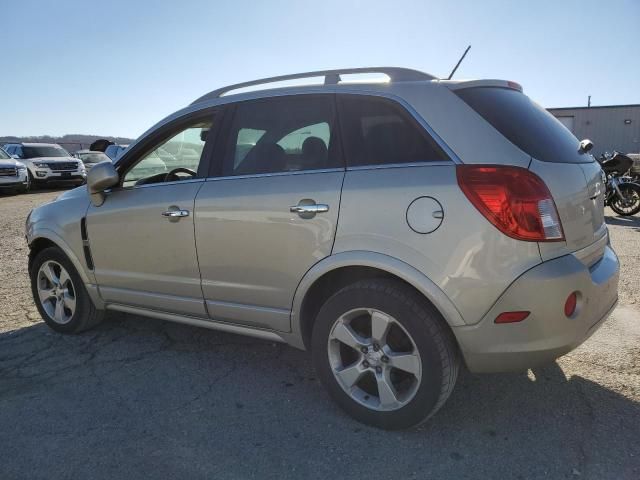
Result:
x=48 y=162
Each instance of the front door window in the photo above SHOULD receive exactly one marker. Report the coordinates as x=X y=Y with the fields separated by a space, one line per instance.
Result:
x=175 y=158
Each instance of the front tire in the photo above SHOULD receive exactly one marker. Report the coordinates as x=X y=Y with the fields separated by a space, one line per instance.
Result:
x=385 y=355
x=630 y=205
x=60 y=294
x=32 y=182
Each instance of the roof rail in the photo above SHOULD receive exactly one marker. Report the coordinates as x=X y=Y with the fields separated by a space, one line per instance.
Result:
x=331 y=77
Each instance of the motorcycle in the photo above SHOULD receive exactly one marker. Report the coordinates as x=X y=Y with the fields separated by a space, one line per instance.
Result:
x=622 y=194
x=633 y=175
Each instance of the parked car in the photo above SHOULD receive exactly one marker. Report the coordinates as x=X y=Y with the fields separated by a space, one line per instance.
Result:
x=393 y=229
x=13 y=174
x=48 y=162
x=89 y=158
x=114 y=151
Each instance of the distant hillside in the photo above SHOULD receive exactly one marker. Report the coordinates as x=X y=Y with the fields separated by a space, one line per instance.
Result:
x=71 y=142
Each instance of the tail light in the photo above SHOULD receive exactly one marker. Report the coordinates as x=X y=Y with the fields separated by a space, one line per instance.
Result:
x=513 y=199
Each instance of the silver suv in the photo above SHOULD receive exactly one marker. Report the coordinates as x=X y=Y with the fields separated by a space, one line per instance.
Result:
x=395 y=229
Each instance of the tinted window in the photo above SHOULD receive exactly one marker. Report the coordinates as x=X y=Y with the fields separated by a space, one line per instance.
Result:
x=43 y=151
x=283 y=134
x=378 y=131
x=524 y=123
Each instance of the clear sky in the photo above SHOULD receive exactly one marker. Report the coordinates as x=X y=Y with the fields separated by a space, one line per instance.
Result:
x=117 y=67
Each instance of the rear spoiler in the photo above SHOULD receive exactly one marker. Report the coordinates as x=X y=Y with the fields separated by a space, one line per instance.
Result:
x=460 y=84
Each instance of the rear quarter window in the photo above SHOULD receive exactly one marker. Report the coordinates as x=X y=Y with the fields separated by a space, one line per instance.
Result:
x=524 y=123
x=378 y=131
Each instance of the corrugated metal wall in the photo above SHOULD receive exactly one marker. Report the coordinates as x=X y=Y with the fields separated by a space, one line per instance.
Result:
x=605 y=126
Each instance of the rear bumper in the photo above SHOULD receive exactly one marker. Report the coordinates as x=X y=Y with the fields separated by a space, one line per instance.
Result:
x=546 y=333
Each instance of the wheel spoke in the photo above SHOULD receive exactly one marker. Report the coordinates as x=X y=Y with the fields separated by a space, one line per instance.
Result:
x=380 y=324
x=50 y=274
x=346 y=335
x=386 y=391
x=349 y=376
x=58 y=314
x=408 y=362
x=69 y=302
x=64 y=278
x=46 y=294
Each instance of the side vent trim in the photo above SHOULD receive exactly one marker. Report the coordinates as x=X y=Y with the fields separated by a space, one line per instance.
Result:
x=85 y=244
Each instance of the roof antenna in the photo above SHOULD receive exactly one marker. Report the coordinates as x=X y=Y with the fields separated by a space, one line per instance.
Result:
x=459 y=62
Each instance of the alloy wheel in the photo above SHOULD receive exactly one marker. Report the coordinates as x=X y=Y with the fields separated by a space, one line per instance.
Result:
x=374 y=359
x=56 y=292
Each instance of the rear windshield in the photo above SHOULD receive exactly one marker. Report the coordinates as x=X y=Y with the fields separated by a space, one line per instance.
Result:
x=524 y=123
x=43 y=151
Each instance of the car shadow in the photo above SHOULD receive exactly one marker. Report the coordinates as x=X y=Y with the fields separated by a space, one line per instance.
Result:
x=140 y=398
x=633 y=221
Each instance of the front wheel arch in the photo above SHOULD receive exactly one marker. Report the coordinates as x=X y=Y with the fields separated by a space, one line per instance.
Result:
x=36 y=246
x=42 y=238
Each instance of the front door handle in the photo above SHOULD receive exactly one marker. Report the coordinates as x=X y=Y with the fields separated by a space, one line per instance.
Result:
x=309 y=208
x=317 y=208
x=175 y=213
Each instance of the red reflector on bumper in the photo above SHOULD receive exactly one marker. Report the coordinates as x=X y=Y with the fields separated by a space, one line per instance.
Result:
x=570 y=304
x=511 y=317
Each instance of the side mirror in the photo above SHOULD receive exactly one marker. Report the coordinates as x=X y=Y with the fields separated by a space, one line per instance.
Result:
x=15 y=157
x=102 y=176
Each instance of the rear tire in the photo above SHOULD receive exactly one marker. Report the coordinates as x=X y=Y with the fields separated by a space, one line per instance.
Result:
x=384 y=353
x=631 y=192
x=60 y=294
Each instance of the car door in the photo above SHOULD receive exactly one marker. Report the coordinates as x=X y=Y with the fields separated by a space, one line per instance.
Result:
x=270 y=209
x=142 y=237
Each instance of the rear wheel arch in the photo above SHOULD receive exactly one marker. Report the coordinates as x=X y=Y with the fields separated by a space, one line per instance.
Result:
x=312 y=293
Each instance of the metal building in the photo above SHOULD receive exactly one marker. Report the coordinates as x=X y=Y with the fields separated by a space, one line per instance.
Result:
x=611 y=127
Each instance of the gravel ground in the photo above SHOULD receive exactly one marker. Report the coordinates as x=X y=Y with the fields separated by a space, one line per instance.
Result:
x=139 y=398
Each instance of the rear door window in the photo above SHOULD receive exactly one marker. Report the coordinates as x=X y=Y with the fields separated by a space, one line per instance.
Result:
x=524 y=123
x=282 y=134
x=378 y=131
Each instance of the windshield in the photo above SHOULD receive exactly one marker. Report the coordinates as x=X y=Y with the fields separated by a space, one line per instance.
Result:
x=524 y=123
x=93 y=157
x=43 y=151
x=4 y=154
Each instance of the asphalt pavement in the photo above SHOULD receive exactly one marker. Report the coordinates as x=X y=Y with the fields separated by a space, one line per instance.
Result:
x=140 y=398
